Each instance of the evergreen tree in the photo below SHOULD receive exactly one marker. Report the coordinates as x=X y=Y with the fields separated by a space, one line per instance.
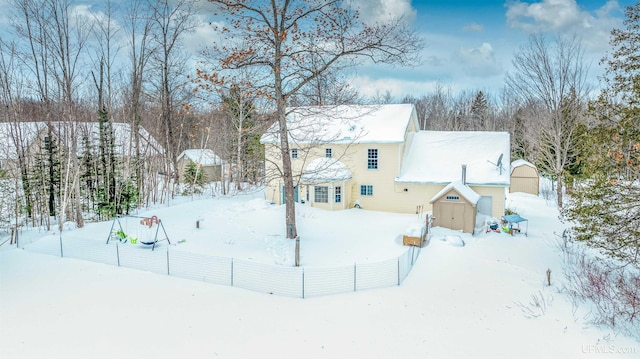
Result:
x=606 y=208
x=239 y=107
x=479 y=112
x=194 y=178
x=88 y=175
x=52 y=166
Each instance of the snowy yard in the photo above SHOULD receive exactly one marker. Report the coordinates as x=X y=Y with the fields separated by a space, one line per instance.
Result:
x=487 y=299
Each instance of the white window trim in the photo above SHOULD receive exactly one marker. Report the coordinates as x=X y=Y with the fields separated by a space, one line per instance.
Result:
x=315 y=194
x=377 y=159
x=366 y=191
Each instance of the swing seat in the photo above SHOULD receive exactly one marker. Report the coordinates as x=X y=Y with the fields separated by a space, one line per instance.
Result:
x=147 y=243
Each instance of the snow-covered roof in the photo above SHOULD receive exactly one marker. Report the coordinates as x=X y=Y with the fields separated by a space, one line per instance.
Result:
x=325 y=169
x=24 y=132
x=518 y=163
x=122 y=134
x=437 y=157
x=345 y=124
x=204 y=157
x=465 y=191
x=124 y=139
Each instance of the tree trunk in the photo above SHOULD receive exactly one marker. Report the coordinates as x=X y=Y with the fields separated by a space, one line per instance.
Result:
x=559 y=190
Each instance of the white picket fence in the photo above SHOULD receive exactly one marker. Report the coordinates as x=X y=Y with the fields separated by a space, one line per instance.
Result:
x=279 y=280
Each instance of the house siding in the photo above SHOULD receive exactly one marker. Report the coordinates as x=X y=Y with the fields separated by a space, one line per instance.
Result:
x=498 y=198
x=211 y=173
x=458 y=214
x=525 y=179
x=388 y=194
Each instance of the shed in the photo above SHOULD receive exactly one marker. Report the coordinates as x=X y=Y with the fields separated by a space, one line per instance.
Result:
x=205 y=159
x=455 y=207
x=524 y=177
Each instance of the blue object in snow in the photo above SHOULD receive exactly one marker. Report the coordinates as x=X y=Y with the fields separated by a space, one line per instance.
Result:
x=514 y=218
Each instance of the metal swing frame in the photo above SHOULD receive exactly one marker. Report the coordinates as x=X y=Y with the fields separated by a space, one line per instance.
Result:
x=147 y=221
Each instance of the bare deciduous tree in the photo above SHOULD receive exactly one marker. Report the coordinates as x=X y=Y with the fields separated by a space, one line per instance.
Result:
x=297 y=41
x=171 y=20
x=552 y=75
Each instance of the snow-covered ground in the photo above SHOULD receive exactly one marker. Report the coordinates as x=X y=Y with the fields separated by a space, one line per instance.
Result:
x=487 y=299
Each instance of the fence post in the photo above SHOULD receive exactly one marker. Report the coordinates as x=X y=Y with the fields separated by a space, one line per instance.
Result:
x=412 y=250
x=61 y=253
x=118 y=253
x=354 y=277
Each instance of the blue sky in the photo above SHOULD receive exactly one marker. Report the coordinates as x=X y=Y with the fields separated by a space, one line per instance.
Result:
x=470 y=44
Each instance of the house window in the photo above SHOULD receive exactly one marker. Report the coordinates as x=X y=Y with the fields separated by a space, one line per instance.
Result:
x=372 y=158
x=321 y=194
x=453 y=198
x=366 y=190
x=294 y=153
x=328 y=153
x=337 y=191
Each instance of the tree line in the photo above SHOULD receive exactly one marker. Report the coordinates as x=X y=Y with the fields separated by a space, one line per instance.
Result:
x=128 y=64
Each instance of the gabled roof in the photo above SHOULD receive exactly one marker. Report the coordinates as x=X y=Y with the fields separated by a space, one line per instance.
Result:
x=123 y=136
x=465 y=191
x=325 y=169
x=345 y=124
x=519 y=163
x=437 y=157
x=204 y=157
x=24 y=131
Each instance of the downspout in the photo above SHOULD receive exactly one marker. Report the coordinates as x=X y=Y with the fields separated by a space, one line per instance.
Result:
x=331 y=200
x=344 y=192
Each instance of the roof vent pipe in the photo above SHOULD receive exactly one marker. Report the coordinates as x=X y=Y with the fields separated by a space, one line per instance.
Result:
x=464 y=175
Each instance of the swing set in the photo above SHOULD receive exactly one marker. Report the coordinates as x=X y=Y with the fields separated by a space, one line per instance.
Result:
x=145 y=226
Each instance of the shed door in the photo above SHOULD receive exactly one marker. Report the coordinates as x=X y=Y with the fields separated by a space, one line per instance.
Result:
x=452 y=215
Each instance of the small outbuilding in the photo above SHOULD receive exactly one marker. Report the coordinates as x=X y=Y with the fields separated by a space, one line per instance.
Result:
x=524 y=177
x=205 y=159
x=455 y=207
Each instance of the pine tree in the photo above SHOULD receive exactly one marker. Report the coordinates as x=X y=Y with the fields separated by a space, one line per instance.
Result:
x=479 y=112
x=194 y=178
x=606 y=208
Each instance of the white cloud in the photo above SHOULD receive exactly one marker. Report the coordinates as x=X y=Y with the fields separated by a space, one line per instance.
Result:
x=473 y=27
x=398 y=88
x=480 y=61
x=565 y=17
x=382 y=11
x=203 y=35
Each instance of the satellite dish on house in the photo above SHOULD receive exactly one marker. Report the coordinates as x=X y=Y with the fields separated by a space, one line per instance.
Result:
x=498 y=164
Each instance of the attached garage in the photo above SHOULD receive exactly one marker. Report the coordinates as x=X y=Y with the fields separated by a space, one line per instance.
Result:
x=524 y=177
x=455 y=207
